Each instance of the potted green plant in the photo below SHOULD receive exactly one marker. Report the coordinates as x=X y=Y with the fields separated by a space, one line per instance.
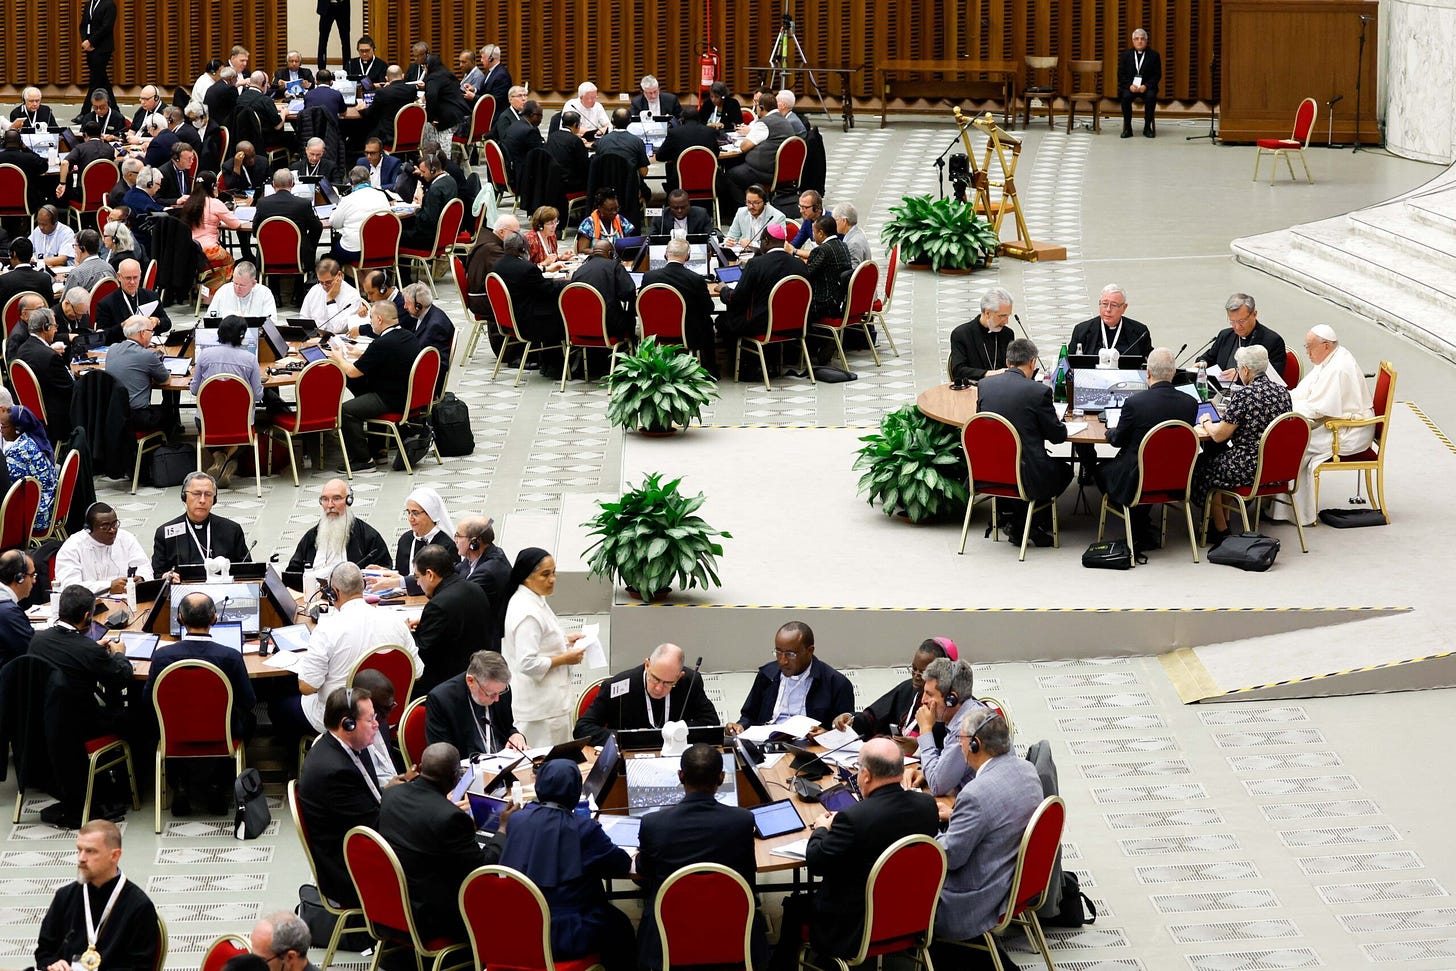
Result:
x=913 y=466
x=653 y=540
x=946 y=234
x=657 y=388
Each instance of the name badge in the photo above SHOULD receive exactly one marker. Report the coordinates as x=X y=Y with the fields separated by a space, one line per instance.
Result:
x=621 y=688
x=174 y=530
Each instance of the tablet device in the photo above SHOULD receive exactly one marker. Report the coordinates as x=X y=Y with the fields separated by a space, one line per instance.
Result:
x=729 y=274
x=147 y=590
x=228 y=633
x=623 y=831
x=603 y=772
x=466 y=779
x=566 y=750
x=504 y=779
x=293 y=638
x=837 y=798
x=486 y=811
x=1207 y=410
x=177 y=366
x=139 y=645
x=312 y=353
x=776 y=819
x=1111 y=417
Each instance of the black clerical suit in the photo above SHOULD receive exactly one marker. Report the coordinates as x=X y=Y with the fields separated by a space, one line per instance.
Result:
x=1118 y=477
x=608 y=277
x=891 y=713
x=1148 y=65
x=667 y=102
x=697 y=830
x=127 y=941
x=747 y=301
x=98 y=24
x=85 y=665
x=451 y=715
x=1221 y=354
x=180 y=542
x=409 y=545
x=519 y=139
x=281 y=80
x=225 y=659
x=569 y=152
x=16 y=630
x=376 y=70
x=699 y=222
x=623 y=703
x=19 y=279
x=830 y=694
x=364 y=548
x=335 y=794
x=176 y=183
x=221 y=101
x=55 y=381
x=1027 y=404
x=387 y=102
x=435 y=842
x=113 y=311
x=534 y=299
x=698 y=322
x=491 y=573
x=450 y=626
x=976 y=349
x=1130 y=337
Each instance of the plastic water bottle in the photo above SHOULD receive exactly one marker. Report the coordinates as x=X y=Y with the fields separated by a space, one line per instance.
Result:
x=131 y=595
x=1202 y=383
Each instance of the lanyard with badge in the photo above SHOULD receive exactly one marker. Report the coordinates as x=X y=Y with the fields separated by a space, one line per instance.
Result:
x=91 y=959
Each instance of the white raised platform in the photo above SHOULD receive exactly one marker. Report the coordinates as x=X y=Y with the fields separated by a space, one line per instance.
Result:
x=1394 y=263
x=806 y=547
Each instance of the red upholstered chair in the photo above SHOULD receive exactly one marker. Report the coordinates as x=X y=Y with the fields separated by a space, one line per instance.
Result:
x=194 y=705
x=419 y=402
x=469 y=234
x=1295 y=144
x=409 y=129
x=1029 y=881
x=857 y=310
x=1276 y=477
x=97 y=179
x=27 y=389
x=508 y=923
x=479 y=326
x=17 y=513
x=149 y=279
x=503 y=308
x=697 y=175
x=882 y=304
x=14 y=193
x=346 y=918
x=1372 y=459
x=280 y=248
x=223 y=950
x=225 y=406
x=585 y=314
x=104 y=288
x=379 y=245
x=1291 y=373
x=481 y=118
x=70 y=474
x=662 y=313
x=788 y=322
x=748 y=116
x=412 y=740
x=320 y=397
x=993 y=457
x=495 y=167
x=379 y=879
x=900 y=901
x=396 y=664
x=789 y=165
x=1165 y=475
x=999 y=707
x=446 y=232
x=11 y=314
x=704 y=916
x=588 y=695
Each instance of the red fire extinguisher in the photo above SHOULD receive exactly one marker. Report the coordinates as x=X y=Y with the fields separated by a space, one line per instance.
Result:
x=709 y=65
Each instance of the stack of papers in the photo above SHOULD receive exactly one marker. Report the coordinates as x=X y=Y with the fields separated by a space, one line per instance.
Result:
x=797 y=726
x=1076 y=428
x=287 y=661
x=797 y=850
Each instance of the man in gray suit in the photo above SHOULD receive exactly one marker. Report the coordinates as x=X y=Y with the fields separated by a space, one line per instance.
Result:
x=760 y=148
x=1027 y=404
x=986 y=825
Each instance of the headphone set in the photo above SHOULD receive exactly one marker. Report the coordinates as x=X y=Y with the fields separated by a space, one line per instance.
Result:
x=952 y=698
x=475 y=540
x=975 y=742
x=347 y=723
x=188 y=481
x=15 y=571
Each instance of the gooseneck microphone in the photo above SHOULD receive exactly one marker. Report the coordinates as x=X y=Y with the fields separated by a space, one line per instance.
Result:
x=687 y=694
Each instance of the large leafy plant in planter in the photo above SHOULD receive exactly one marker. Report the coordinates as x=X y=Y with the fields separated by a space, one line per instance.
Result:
x=657 y=387
x=913 y=466
x=943 y=232
x=653 y=540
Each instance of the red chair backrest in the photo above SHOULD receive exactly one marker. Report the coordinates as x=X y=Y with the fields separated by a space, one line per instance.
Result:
x=1165 y=461
x=585 y=314
x=903 y=890
x=748 y=116
x=320 y=396
x=863 y=283
x=412 y=738
x=662 y=310
x=194 y=705
x=993 y=454
x=789 y=160
x=1384 y=399
x=587 y=697
x=1291 y=373
x=97 y=178
x=27 y=388
x=1304 y=119
x=14 y=191
x=890 y=273
x=149 y=279
x=396 y=665
x=697 y=168
x=378 y=877
x=17 y=513
x=704 y=913
x=11 y=314
x=506 y=919
x=448 y=227
x=104 y=288
x=223 y=950
x=66 y=486
x=423 y=375
x=1281 y=451
x=500 y=303
x=481 y=117
x=379 y=240
x=495 y=164
x=280 y=245
x=409 y=128
x=1039 y=846
x=788 y=308
x=225 y=404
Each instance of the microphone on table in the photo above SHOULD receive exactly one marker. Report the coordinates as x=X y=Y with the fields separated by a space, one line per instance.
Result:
x=688 y=694
x=1195 y=354
x=222 y=608
x=1017 y=318
x=801 y=766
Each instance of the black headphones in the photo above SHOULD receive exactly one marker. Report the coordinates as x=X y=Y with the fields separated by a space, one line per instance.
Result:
x=188 y=480
x=15 y=571
x=952 y=699
x=347 y=723
x=474 y=543
x=349 y=496
x=975 y=743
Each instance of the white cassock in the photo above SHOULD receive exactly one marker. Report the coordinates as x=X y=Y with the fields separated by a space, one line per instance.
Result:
x=1334 y=388
x=83 y=560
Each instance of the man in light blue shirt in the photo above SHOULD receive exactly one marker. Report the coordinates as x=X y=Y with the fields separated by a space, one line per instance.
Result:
x=947 y=700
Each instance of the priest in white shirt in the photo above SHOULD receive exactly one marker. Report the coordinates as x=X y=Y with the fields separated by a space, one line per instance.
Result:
x=245 y=297
x=1334 y=388
x=100 y=556
x=331 y=302
x=593 y=115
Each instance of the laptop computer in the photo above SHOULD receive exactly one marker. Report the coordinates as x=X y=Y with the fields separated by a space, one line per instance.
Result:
x=486 y=812
x=751 y=775
x=228 y=633
x=603 y=773
x=298 y=329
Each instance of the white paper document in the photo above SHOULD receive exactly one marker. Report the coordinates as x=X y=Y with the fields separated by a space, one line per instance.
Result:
x=795 y=727
x=147 y=309
x=797 y=850
x=287 y=660
x=591 y=641
x=842 y=742
x=1076 y=428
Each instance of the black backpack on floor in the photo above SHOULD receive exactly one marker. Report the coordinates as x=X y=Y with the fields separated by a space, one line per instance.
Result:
x=451 y=419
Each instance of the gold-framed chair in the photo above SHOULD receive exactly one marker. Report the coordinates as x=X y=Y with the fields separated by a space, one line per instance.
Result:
x=1372 y=459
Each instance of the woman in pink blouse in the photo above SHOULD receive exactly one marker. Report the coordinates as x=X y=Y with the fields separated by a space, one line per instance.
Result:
x=204 y=213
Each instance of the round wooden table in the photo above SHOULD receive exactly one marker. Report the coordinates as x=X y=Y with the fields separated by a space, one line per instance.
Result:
x=956 y=408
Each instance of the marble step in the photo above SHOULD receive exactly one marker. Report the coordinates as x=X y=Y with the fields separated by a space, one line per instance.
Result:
x=1368 y=255
x=1401 y=227
x=1435 y=209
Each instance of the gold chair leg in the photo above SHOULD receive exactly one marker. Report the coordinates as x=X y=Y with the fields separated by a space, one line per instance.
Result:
x=1192 y=539
x=520 y=371
x=348 y=469
x=404 y=455
x=808 y=364
x=1127 y=529
x=870 y=341
x=566 y=365
x=161 y=787
x=839 y=345
x=1101 y=519
x=1298 y=526
x=257 y=468
x=763 y=365
x=1026 y=530
x=966 y=523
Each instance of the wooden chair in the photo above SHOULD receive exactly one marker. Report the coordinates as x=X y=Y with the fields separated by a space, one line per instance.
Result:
x=1371 y=460
x=1041 y=85
x=15 y=193
x=789 y=161
x=498 y=173
x=280 y=248
x=1276 y=476
x=788 y=322
x=223 y=950
x=1295 y=144
x=479 y=326
x=97 y=179
x=1291 y=373
x=27 y=389
x=70 y=474
x=1086 y=89
x=993 y=460
x=482 y=115
x=1165 y=475
x=103 y=288
x=396 y=664
x=662 y=313
x=17 y=513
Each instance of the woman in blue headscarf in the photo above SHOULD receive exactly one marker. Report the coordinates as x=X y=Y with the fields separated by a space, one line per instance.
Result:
x=568 y=856
x=28 y=452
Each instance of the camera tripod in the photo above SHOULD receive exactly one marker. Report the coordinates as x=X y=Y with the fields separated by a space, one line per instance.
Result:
x=781 y=65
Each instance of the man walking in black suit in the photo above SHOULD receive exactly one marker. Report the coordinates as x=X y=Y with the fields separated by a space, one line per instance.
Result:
x=333 y=13
x=458 y=612
x=697 y=830
x=843 y=849
x=435 y=842
x=698 y=321
x=1027 y=404
x=1139 y=70
x=472 y=711
x=1118 y=477
x=98 y=24
x=338 y=790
